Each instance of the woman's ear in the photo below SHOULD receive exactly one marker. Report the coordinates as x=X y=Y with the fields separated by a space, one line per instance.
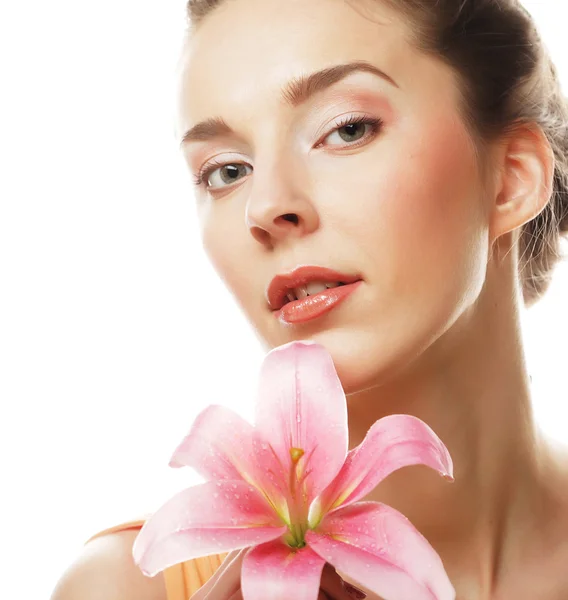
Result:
x=526 y=176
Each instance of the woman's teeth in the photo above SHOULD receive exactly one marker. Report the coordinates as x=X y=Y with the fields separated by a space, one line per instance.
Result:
x=314 y=287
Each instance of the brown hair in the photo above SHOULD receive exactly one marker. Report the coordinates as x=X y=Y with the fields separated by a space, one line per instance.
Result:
x=506 y=78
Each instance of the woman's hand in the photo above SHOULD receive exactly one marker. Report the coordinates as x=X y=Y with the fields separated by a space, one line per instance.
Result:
x=225 y=584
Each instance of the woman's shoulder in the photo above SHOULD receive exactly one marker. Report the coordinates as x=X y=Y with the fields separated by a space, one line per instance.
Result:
x=105 y=570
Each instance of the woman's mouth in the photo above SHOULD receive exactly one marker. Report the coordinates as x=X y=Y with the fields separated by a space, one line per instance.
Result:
x=313 y=300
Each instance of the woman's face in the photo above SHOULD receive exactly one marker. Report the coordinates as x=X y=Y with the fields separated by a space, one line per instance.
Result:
x=396 y=199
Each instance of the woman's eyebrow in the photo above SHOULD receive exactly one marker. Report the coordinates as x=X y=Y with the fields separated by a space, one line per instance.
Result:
x=296 y=92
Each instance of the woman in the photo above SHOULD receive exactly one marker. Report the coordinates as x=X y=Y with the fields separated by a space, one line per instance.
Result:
x=418 y=146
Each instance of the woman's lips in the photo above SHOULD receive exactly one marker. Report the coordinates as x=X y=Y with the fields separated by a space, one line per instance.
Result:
x=312 y=307
x=302 y=275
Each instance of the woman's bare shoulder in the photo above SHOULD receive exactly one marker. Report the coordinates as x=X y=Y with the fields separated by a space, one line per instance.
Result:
x=105 y=570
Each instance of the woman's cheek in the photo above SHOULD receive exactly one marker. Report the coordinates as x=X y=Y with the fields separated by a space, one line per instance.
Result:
x=431 y=214
x=222 y=241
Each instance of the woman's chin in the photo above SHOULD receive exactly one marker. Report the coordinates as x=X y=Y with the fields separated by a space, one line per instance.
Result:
x=365 y=354
x=362 y=360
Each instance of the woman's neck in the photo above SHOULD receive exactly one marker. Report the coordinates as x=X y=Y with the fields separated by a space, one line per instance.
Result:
x=473 y=389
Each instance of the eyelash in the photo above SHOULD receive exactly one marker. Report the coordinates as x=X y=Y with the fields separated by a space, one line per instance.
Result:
x=375 y=122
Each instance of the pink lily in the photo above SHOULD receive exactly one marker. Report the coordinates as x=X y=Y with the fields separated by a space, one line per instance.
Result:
x=288 y=489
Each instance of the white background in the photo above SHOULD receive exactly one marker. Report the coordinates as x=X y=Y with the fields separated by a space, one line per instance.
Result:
x=113 y=328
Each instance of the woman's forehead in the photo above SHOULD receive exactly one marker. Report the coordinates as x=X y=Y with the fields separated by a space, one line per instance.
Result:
x=248 y=40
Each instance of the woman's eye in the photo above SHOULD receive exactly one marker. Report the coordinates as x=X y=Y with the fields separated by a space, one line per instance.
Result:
x=354 y=129
x=224 y=174
x=350 y=131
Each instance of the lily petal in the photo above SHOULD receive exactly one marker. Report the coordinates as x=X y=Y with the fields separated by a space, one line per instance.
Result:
x=301 y=405
x=378 y=547
x=218 y=446
x=391 y=443
x=273 y=571
x=214 y=517
x=222 y=445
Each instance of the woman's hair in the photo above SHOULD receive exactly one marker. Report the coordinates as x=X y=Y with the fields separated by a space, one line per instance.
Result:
x=506 y=78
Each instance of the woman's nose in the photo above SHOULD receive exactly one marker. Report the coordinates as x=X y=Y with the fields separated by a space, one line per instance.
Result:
x=280 y=210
